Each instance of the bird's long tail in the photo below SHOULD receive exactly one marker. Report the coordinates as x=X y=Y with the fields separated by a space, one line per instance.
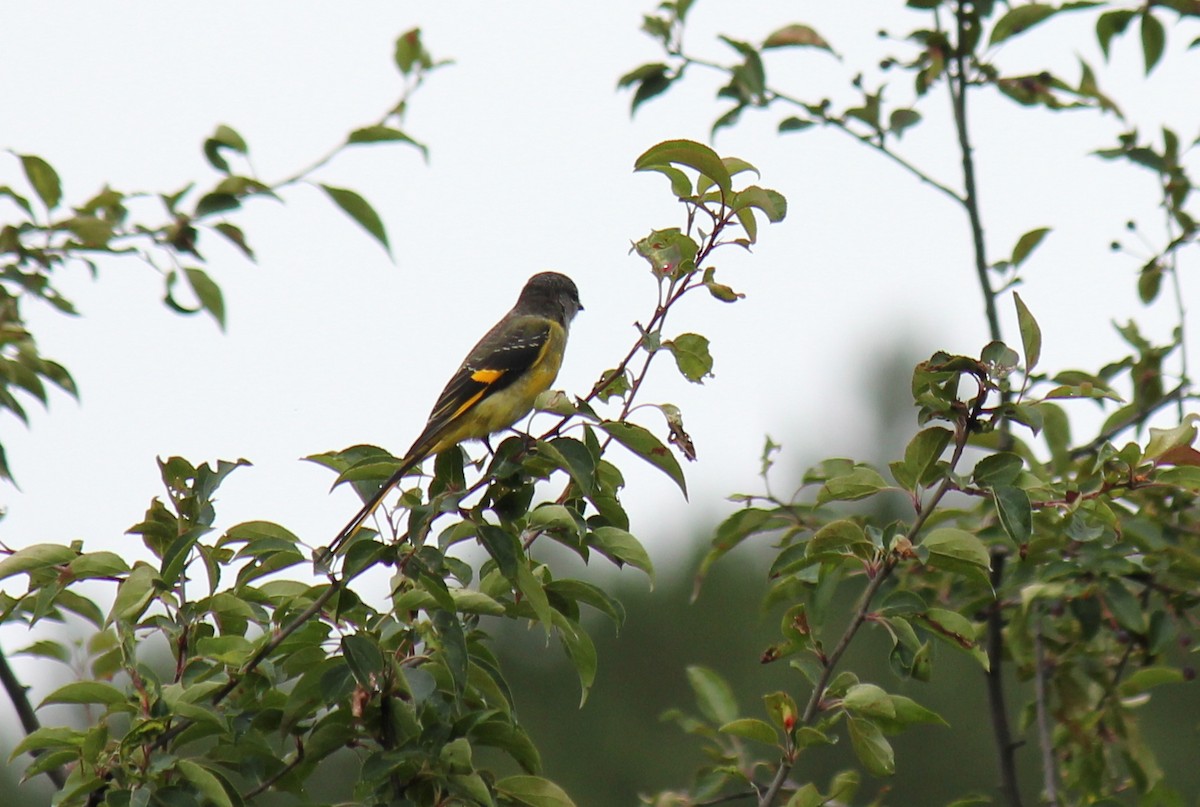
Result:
x=411 y=461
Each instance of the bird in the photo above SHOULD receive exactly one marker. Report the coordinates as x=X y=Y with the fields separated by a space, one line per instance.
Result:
x=496 y=384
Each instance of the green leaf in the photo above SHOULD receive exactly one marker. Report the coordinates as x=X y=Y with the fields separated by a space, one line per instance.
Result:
x=842 y=537
x=1026 y=244
x=869 y=700
x=1110 y=24
x=1016 y=514
x=205 y=782
x=384 y=134
x=957 y=551
x=621 y=547
x=794 y=124
x=871 y=747
x=358 y=209
x=1031 y=334
x=86 y=692
x=689 y=153
x=691 y=355
x=643 y=443
x=535 y=594
x=1019 y=19
x=923 y=452
x=38 y=556
x=901 y=119
x=858 y=484
x=796 y=36
x=533 y=791
x=998 y=469
x=1149 y=677
x=43 y=178
x=134 y=594
x=364 y=659
x=751 y=729
x=714 y=697
x=208 y=293
x=1154 y=40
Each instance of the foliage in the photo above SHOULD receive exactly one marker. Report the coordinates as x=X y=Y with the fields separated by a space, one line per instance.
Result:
x=222 y=671
x=1075 y=562
x=165 y=231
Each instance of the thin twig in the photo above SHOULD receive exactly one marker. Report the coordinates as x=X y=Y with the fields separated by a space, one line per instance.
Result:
x=1049 y=774
x=270 y=781
x=863 y=608
x=18 y=694
x=1134 y=419
x=1005 y=747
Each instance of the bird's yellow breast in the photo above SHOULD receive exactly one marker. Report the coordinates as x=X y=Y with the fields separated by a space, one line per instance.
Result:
x=502 y=409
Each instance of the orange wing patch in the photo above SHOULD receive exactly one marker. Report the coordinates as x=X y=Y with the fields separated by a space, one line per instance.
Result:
x=486 y=376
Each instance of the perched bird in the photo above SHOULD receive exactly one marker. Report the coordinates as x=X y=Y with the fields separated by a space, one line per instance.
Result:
x=497 y=382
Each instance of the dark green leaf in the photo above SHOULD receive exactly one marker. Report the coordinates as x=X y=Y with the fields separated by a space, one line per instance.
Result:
x=1154 y=40
x=1019 y=19
x=997 y=469
x=207 y=292
x=44 y=180
x=643 y=443
x=358 y=209
x=1031 y=333
x=1016 y=516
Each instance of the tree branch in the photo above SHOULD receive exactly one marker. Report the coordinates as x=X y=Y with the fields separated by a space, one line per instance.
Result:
x=862 y=610
x=1005 y=747
x=958 y=97
x=1049 y=774
x=18 y=694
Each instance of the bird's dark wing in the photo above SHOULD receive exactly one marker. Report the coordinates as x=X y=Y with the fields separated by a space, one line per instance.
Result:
x=489 y=369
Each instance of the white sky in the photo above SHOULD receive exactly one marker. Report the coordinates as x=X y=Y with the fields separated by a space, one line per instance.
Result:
x=329 y=344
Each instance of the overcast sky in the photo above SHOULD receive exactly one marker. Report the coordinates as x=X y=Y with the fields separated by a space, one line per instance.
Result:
x=330 y=344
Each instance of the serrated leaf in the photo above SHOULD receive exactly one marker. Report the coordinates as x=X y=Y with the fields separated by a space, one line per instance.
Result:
x=357 y=208
x=644 y=444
